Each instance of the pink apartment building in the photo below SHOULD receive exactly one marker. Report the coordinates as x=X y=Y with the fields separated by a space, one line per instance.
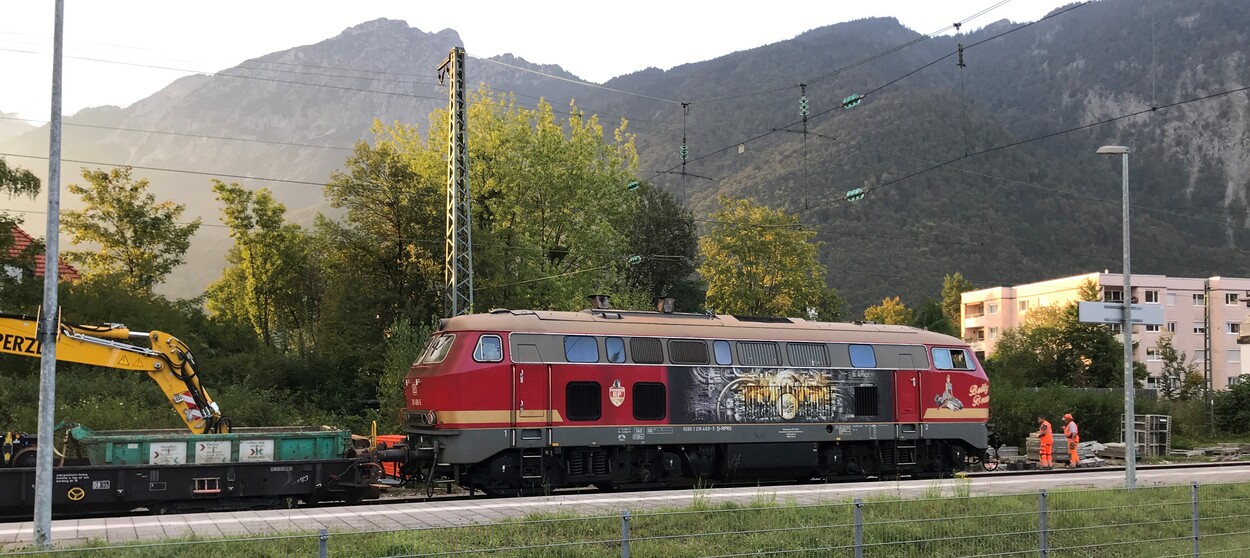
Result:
x=988 y=312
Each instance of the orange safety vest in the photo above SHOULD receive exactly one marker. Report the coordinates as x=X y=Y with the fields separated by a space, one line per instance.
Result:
x=1045 y=434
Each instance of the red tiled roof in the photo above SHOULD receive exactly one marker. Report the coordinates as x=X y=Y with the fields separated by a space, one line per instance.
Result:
x=21 y=240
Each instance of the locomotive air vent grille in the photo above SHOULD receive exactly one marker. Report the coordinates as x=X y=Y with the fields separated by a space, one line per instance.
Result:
x=646 y=350
x=808 y=354
x=687 y=352
x=866 y=401
x=583 y=400
x=650 y=401
x=757 y=353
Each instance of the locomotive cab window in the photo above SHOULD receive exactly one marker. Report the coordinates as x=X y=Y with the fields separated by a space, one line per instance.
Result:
x=862 y=356
x=580 y=348
x=650 y=401
x=616 y=349
x=439 y=349
x=952 y=359
x=583 y=400
x=489 y=349
x=724 y=356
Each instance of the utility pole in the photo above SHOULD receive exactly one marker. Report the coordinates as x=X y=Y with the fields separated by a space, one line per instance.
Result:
x=49 y=316
x=1207 y=373
x=458 y=262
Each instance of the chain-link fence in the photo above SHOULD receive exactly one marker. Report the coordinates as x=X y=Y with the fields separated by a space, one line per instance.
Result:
x=1172 y=521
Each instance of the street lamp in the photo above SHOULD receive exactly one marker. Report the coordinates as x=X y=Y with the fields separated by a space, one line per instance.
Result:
x=1130 y=437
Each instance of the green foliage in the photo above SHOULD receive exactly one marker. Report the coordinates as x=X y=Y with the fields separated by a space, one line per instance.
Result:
x=139 y=239
x=16 y=181
x=663 y=233
x=403 y=344
x=952 y=286
x=759 y=261
x=1180 y=378
x=929 y=315
x=830 y=306
x=272 y=283
x=890 y=311
x=1232 y=409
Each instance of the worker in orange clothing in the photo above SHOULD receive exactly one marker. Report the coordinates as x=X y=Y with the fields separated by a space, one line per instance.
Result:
x=1045 y=435
x=1072 y=433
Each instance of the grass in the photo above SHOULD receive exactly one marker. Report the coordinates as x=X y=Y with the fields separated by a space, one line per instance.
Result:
x=944 y=522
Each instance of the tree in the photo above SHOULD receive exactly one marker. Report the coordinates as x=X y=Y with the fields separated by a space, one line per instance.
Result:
x=16 y=181
x=272 y=283
x=1232 y=409
x=952 y=286
x=930 y=315
x=663 y=236
x=891 y=311
x=1180 y=378
x=829 y=307
x=140 y=240
x=760 y=261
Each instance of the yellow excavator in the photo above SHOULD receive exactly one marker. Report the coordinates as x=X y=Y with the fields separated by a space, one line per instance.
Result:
x=167 y=360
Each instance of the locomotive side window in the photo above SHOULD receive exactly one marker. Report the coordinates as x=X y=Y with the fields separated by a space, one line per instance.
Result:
x=862 y=356
x=439 y=350
x=682 y=351
x=650 y=401
x=724 y=356
x=646 y=350
x=489 y=349
x=580 y=348
x=583 y=400
x=808 y=354
x=616 y=349
x=951 y=359
x=758 y=353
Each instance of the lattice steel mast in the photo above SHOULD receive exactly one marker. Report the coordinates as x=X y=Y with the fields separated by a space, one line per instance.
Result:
x=458 y=262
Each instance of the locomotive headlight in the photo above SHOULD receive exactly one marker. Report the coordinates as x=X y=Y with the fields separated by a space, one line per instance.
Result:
x=431 y=418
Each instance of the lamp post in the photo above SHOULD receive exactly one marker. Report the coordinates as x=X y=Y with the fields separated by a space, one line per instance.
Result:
x=1130 y=437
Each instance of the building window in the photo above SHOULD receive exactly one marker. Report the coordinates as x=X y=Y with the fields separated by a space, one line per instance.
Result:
x=1113 y=296
x=580 y=348
x=1199 y=328
x=1200 y=355
x=1230 y=299
x=980 y=334
x=1152 y=383
x=1152 y=354
x=1234 y=380
x=1171 y=299
x=993 y=333
x=1200 y=299
x=974 y=310
x=1115 y=328
x=1234 y=355
x=1232 y=327
x=1171 y=327
x=993 y=308
x=489 y=349
x=1153 y=328
x=1024 y=305
x=1152 y=297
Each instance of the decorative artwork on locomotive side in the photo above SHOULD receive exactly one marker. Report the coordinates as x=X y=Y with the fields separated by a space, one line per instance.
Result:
x=772 y=395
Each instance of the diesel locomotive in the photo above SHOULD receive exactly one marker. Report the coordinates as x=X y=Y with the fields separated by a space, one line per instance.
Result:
x=523 y=401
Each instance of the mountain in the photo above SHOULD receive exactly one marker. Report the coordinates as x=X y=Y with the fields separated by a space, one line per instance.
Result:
x=978 y=203
x=10 y=127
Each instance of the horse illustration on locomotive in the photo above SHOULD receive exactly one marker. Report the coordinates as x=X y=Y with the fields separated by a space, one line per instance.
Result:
x=521 y=401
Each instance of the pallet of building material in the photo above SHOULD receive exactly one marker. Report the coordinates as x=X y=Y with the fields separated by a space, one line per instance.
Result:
x=1116 y=450
x=1187 y=453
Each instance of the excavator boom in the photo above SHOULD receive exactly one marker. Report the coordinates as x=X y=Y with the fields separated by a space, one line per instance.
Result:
x=166 y=359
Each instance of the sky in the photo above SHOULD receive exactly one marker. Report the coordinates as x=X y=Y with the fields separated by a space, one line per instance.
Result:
x=120 y=51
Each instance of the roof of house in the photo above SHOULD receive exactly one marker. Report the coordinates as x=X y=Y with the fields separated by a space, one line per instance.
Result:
x=22 y=240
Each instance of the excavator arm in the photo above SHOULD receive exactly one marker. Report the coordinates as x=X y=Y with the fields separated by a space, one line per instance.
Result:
x=167 y=360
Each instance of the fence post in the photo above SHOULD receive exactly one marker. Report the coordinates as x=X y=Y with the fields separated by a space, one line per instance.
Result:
x=625 y=534
x=323 y=543
x=1042 y=542
x=859 y=528
x=1194 y=490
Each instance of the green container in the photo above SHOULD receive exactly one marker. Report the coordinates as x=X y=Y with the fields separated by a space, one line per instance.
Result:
x=241 y=445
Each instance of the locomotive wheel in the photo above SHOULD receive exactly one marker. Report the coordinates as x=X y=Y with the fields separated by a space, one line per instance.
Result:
x=25 y=458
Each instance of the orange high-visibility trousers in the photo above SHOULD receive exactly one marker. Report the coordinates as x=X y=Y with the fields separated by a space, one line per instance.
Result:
x=1073 y=458
x=1045 y=451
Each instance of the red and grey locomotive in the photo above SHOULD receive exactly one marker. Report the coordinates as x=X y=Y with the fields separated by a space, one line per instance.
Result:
x=520 y=401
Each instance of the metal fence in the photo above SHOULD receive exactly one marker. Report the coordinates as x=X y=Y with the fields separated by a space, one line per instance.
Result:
x=1173 y=521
